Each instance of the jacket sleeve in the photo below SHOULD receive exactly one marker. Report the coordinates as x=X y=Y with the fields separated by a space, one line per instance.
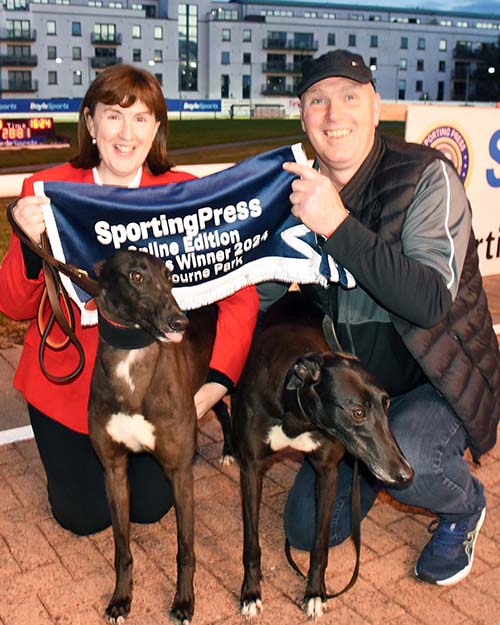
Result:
x=419 y=282
x=235 y=327
x=21 y=280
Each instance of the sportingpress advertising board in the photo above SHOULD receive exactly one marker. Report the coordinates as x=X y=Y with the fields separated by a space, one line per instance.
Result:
x=470 y=138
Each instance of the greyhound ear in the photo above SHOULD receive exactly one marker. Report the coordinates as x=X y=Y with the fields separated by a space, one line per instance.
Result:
x=306 y=370
x=98 y=267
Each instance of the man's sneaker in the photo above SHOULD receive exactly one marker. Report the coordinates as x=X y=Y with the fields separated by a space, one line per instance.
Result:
x=447 y=558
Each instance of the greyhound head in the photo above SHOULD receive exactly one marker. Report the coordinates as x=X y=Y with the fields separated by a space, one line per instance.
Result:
x=136 y=292
x=341 y=398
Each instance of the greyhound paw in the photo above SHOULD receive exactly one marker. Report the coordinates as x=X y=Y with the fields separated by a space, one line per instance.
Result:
x=251 y=608
x=314 y=607
x=117 y=611
x=182 y=612
x=226 y=460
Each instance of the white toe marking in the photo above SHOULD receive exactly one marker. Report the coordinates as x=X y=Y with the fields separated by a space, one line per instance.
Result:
x=249 y=609
x=315 y=607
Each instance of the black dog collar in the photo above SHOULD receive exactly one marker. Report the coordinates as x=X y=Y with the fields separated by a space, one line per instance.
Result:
x=121 y=336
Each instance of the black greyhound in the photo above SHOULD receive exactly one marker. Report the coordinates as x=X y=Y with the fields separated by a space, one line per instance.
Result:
x=295 y=393
x=149 y=364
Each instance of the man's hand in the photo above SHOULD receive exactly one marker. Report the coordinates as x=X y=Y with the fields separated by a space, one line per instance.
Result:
x=315 y=201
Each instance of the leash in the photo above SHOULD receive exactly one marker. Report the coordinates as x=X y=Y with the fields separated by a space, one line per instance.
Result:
x=53 y=294
x=355 y=524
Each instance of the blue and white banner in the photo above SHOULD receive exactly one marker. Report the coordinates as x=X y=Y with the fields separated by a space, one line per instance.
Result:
x=216 y=234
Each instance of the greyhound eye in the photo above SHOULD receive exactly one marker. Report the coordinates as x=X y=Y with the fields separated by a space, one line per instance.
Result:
x=136 y=276
x=358 y=414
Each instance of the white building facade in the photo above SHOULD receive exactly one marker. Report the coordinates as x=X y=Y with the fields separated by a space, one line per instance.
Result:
x=243 y=51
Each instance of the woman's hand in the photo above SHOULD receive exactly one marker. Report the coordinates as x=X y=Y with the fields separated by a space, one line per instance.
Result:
x=207 y=396
x=28 y=214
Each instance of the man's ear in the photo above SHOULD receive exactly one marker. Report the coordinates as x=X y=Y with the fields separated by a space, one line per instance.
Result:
x=377 y=109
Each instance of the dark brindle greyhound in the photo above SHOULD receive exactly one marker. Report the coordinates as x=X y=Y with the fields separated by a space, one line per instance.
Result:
x=295 y=393
x=149 y=364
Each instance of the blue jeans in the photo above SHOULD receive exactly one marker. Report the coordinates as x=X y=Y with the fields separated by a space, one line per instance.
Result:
x=433 y=441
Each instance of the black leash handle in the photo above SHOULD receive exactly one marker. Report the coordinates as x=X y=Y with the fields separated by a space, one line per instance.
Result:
x=355 y=533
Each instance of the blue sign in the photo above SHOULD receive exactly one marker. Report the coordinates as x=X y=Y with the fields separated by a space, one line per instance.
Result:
x=42 y=106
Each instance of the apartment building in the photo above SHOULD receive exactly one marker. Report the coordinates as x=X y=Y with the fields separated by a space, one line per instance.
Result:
x=242 y=51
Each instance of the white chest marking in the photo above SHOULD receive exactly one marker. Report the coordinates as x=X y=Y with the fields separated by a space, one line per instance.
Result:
x=131 y=430
x=122 y=370
x=277 y=439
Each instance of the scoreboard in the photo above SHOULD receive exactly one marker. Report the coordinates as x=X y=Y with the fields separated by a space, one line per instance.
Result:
x=30 y=131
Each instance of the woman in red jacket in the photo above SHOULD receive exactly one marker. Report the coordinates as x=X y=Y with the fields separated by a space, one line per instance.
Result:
x=122 y=138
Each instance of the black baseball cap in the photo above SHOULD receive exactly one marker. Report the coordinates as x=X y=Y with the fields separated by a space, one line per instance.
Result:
x=337 y=63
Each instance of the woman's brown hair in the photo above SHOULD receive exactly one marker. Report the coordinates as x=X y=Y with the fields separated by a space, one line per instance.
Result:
x=124 y=85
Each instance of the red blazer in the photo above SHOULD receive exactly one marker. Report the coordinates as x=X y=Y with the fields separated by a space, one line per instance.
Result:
x=67 y=402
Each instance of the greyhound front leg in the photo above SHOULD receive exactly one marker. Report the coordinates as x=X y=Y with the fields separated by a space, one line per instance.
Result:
x=182 y=487
x=118 y=493
x=314 y=602
x=251 y=491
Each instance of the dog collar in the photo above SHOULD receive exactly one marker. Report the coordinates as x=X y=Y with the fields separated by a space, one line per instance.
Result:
x=121 y=336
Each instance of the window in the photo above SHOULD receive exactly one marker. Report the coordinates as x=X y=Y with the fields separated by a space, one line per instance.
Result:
x=374 y=41
x=104 y=33
x=76 y=53
x=76 y=29
x=247 y=58
x=18 y=29
x=404 y=43
x=51 y=53
x=443 y=45
x=51 y=27
x=440 y=93
x=247 y=35
x=159 y=78
x=442 y=66
x=225 y=58
x=136 y=31
x=188 y=46
x=226 y=34
x=420 y=65
x=352 y=41
x=373 y=62
x=246 y=85
x=224 y=86
x=19 y=78
x=158 y=32
x=403 y=64
x=52 y=76
x=331 y=39
x=77 y=77
x=419 y=86
x=19 y=52
x=158 y=56
x=136 y=55
x=402 y=89
x=421 y=43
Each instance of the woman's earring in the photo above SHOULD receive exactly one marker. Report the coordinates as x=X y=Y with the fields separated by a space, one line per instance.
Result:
x=94 y=141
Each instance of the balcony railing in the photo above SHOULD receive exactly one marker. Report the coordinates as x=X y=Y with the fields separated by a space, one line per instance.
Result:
x=282 y=68
x=278 y=90
x=6 y=34
x=100 y=62
x=290 y=44
x=14 y=60
x=111 y=39
x=20 y=86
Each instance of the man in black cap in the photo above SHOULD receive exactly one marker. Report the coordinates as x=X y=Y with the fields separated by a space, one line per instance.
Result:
x=396 y=216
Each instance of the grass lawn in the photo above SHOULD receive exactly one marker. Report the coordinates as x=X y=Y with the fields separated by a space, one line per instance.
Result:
x=243 y=138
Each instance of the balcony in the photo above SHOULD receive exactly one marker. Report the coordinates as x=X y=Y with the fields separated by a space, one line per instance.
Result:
x=101 y=62
x=14 y=60
x=110 y=39
x=6 y=34
x=290 y=44
x=278 y=90
x=19 y=86
x=282 y=68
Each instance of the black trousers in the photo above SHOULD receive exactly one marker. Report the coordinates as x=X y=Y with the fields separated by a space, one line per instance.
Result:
x=75 y=480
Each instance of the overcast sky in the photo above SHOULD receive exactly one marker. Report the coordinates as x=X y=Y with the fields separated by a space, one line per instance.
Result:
x=489 y=7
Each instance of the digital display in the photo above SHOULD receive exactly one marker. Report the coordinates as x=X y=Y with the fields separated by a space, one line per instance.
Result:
x=18 y=132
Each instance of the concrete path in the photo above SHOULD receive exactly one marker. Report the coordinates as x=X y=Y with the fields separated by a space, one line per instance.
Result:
x=50 y=577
